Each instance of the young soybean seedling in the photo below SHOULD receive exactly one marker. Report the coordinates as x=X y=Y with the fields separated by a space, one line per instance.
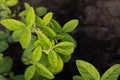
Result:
x=45 y=48
x=89 y=72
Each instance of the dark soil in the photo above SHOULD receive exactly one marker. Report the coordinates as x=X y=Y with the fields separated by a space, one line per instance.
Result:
x=98 y=33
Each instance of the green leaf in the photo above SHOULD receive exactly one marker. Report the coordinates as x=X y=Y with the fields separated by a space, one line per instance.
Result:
x=59 y=67
x=65 y=58
x=30 y=17
x=18 y=77
x=69 y=38
x=25 y=38
x=3 y=46
x=29 y=73
x=53 y=43
x=40 y=11
x=37 y=43
x=1 y=56
x=56 y=26
x=3 y=14
x=112 y=73
x=78 y=78
x=31 y=45
x=26 y=57
x=27 y=6
x=5 y=64
x=36 y=54
x=64 y=48
x=44 y=40
x=2 y=35
x=49 y=32
x=12 y=24
x=7 y=9
x=22 y=14
x=44 y=59
x=87 y=70
x=59 y=37
x=47 y=18
x=11 y=2
x=39 y=22
x=43 y=71
x=70 y=25
x=53 y=58
x=9 y=39
x=16 y=35
x=2 y=78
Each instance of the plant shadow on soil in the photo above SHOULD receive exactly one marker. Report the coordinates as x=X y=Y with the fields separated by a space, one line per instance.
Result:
x=98 y=37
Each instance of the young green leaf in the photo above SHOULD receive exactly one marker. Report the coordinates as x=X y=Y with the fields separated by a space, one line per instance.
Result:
x=27 y=6
x=11 y=2
x=7 y=9
x=64 y=48
x=31 y=45
x=26 y=57
x=39 y=22
x=87 y=70
x=40 y=11
x=69 y=38
x=12 y=24
x=3 y=46
x=36 y=54
x=78 y=78
x=3 y=15
x=37 y=43
x=1 y=56
x=56 y=26
x=53 y=43
x=59 y=37
x=112 y=73
x=9 y=40
x=65 y=58
x=53 y=58
x=49 y=32
x=57 y=69
x=2 y=35
x=44 y=59
x=16 y=35
x=30 y=17
x=25 y=38
x=29 y=73
x=70 y=25
x=44 y=40
x=22 y=14
x=43 y=71
x=2 y=78
x=47 y=18
x=5 y=64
